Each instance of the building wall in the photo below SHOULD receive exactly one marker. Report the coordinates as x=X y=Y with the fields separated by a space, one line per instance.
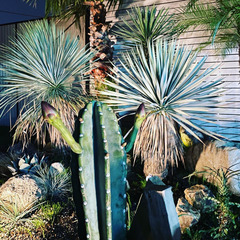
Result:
x=6 y=32
x=228 y=70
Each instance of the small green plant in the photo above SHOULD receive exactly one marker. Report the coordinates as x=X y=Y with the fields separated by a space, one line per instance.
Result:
x=227 y=225
x=49 y=211
x=39 y=223
x=12 y=213
x=140 y=183
x=57 y=185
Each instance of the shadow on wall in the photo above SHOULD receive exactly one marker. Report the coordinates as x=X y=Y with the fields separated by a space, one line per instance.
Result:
x=5 y=138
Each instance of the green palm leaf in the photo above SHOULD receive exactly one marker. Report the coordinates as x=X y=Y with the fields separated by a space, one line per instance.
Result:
x=43 y=64
x=174 y=89
x=221 y=19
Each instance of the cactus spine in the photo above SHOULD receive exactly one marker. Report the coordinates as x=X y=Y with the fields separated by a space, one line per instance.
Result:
x=102 y=168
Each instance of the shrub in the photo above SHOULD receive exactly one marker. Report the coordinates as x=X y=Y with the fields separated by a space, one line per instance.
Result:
x=57 y=185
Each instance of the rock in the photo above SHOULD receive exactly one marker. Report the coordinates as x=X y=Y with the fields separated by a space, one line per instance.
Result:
x=197 y=196
x=215 y=155
x=155 y=180
x=24 y=168
x=187 y=215
x=57 y=166
x=22 y=191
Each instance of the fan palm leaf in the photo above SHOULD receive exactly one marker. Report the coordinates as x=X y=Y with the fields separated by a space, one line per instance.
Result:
x=43 y=64
x=173 y=87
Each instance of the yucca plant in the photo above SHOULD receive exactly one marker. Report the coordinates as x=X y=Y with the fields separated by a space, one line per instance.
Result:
x=100 y=39
x=43 y=63
x=174 y=91
x=146 y=25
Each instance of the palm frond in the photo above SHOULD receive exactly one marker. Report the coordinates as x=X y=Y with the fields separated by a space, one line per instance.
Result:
x=173 y=89
x=221 y=19
x=69 y=9
x=43 y=64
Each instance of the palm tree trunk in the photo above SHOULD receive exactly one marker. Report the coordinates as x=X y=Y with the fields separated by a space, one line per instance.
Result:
x=100 y=41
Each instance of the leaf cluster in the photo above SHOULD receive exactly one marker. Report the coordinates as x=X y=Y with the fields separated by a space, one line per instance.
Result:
x=221 y=19
x=221 y=222
x=146 y=25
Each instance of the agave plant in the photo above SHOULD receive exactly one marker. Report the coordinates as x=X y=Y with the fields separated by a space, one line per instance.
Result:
x=26 y=164
x=43 y=63
x=174 y=91
x=146 y=25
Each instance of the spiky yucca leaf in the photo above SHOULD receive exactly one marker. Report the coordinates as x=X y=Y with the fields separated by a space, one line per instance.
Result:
x=43 y=64
x=146 y=25
x=173 y=89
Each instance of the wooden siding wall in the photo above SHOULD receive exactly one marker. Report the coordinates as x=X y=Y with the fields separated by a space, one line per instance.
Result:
x=228 y=70
x=6 y=32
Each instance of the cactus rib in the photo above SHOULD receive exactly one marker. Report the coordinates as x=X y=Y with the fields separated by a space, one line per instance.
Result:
x=87 y=174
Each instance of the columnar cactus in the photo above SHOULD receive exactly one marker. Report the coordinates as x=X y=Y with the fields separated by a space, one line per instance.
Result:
x=101 y=168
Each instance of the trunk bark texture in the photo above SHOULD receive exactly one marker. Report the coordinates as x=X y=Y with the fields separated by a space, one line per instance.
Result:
x=100 y=41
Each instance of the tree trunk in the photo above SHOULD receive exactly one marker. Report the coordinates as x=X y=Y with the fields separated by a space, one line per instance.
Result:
x=100 y=41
